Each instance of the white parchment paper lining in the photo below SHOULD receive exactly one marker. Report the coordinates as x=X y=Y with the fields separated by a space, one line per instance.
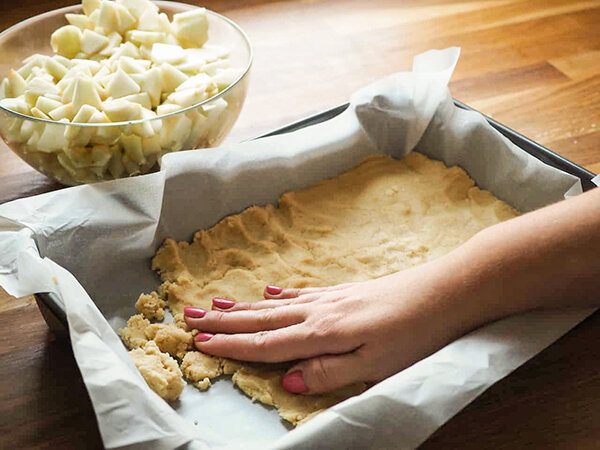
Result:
x=96 y=241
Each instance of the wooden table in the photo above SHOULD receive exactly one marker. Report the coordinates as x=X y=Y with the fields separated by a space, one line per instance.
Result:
x=533 y=65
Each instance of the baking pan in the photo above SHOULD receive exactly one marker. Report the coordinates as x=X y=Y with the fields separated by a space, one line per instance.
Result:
x=54 y=313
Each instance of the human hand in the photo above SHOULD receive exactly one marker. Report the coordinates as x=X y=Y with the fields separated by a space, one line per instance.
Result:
x=342 y=334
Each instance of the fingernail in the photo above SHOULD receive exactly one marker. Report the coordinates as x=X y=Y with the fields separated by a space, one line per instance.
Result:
x=222 y=303
x=273 y=290
x=293 y=382
x=203 y=337
x=194 y=313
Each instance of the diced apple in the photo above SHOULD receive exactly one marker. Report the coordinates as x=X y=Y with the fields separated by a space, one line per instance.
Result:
x=197 y=81
x=108 y=18
x=213 y=67
x=52 y=138
x=125 y=19
x=226 y=77
x=131 y=65
x=36 y=60
x=141 y=98
x=175 y=132
x=114 y=40
x=15 y=104
x=66 y=41
x=55 y=68
x=92 y=66
x=89 y=6
x=165 y=53
x=92 y=42
x=33 y=140
x=39 y=72
x=191 y=27
x=4 y=89
x=188 y=97
x=130 y=166
x=46 y=104
x=85 y=113
x=62 y=112
x=35 y=112
x=27 y=129
x=139 y=37
x=149 y=21
x=167 y=108
x=132 y=145
x=151 y=145
x=138 y=7
x=121 y=85
x=171 y=77
x=39 y=86
x=80 y=21
x=16 y=84
x=122 y=111
x=151 y=82
x=125 y=49
x=85 y=93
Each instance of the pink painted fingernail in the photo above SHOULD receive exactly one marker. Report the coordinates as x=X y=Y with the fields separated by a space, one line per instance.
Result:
x=203 y=337
x=293 y=382
x=222 y=303
x=194 y=313
x=273 y=290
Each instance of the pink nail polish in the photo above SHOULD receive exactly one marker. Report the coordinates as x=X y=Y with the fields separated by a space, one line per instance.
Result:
x=194 y=313
x=203 y=337
x=273 y=290
x=222 y=303
x=293 y=382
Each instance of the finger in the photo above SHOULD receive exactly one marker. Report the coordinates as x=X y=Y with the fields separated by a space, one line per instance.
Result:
x=326 y=373
x=283 y=344
x=276 y=292
x=245 y=321
x=266 y=304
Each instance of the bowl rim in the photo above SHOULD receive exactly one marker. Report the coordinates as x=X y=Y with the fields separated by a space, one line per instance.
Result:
x=68 y=9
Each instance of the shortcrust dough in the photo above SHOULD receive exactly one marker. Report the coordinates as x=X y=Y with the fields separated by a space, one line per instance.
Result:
x=378 y=218
x=160 y=370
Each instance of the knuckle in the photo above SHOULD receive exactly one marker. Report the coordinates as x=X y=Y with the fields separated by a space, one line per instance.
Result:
x=265 y=318
x=261 y=340
x=321 y=376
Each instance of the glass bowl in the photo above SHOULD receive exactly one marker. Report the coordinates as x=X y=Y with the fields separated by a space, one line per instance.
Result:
x=76 y=153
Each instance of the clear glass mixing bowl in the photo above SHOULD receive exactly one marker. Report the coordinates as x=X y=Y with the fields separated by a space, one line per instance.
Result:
x=95 y=152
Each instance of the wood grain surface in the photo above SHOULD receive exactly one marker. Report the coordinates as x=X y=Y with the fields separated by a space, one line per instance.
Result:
x=532 y=65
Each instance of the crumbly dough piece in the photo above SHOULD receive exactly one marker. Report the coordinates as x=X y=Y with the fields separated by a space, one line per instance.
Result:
x=160 y=370
x=200 y=368
x=134 y=334
x=151 y=306
x=171 y=339
x=376 y=219
x=264 y=385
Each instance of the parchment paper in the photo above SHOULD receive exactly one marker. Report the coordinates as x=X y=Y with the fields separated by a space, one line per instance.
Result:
x=96 y=241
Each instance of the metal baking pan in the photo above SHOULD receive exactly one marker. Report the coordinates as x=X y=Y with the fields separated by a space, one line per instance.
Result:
x=54 y=313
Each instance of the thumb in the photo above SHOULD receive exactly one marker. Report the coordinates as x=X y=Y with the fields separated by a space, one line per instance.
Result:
x=324 y=373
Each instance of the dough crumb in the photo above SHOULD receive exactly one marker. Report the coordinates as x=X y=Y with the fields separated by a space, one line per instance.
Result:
x=160 y=370
x=200 y=368
x=134 y=334
x=151 y=306
x=170 y=338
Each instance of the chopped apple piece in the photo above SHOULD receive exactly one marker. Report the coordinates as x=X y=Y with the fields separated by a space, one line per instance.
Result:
x=114 y=40
x=52 y=138
x=191 y=27
x=15 y=104
x=132 y=145
x=62 y=112
x=92 y=42
x=66 y=41
x=125 y=20
x=139 y=37
x=171 y=77
x=46 y=104
x=16 y=84
x=35 y=112
x=55 y=68
x=142 y=98
x=138 y=7
x=166 y=53
x=151 y=82
x=85 y=93
x=121 y=85
x=122 y=111
x=80 y=21
x=188 y=97
x=108 y=19
x=89 y=6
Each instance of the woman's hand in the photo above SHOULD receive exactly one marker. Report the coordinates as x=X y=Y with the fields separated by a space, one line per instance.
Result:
x=343 y=334
x=370 y=330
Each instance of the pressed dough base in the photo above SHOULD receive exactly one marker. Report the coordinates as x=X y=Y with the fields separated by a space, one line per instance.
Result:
x=376 y=219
